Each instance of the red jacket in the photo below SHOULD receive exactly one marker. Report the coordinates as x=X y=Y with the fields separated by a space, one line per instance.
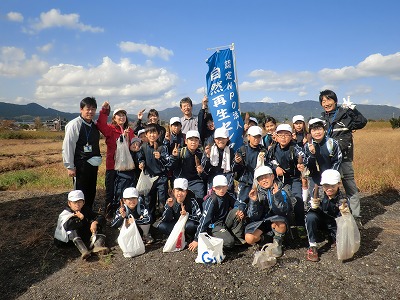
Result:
x=111 y=133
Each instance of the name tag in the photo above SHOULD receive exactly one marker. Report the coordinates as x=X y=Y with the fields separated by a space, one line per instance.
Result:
x=87 y=148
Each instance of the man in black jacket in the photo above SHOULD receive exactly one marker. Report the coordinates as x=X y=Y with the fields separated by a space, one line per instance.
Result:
x=341 y=121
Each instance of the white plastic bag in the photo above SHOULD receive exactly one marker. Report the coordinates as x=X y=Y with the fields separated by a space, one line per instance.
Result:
x=145 y=182
x=130 y=241
x=210 y=249
x=60 y=233
x=347 y=237
x=123 y=158
x=264 y=259
x=176 y=240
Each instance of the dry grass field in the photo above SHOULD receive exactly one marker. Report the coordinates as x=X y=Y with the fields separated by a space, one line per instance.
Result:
x=36 y=163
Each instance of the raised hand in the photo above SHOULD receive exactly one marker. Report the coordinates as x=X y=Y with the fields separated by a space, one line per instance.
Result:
x=140 y=114
x=175 y=151
x=253 y=194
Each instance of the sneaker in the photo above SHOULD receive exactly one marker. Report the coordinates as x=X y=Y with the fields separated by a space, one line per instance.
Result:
x=148 y=239
x=312 y=254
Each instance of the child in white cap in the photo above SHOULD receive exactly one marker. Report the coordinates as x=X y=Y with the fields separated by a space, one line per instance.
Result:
x=248 y=158
x=286 y=159
x=219 y=158
x=182 y=201
x=218 y=218
x=174 y=136
x=133 y=209
x=322 y=153
x=269 y=210
x=76 y=223
x=322 y=213
x=188 y=164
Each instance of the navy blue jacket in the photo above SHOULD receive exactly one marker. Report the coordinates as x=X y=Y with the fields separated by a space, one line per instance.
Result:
x=172 y=214
x=215 y=210
x=140 y=214
x=327 y=156
x=184 y=165
x=153 y=166
x=287 y=158
x=249 y=162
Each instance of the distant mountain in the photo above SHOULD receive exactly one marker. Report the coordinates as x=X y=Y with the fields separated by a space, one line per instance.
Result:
x=28 y=112
x=281 y=111
x=285 y=111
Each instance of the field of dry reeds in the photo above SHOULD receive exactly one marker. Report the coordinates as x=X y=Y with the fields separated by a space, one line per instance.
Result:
x=35 y=163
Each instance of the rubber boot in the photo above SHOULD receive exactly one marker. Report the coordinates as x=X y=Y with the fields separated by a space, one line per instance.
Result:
x=147 y=238
x=85 y=253
x=278 y=239
x=99 y=246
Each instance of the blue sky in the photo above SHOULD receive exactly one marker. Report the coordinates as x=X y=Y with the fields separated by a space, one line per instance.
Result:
x=150 y=54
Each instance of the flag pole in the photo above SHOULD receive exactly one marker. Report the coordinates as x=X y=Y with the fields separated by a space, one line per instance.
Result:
x=221 y=47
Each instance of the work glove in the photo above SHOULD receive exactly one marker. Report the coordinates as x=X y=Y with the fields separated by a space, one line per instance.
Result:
x=347 y=103
x=315 y=202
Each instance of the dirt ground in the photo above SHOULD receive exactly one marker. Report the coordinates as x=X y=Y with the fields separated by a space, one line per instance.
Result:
x=33 y=268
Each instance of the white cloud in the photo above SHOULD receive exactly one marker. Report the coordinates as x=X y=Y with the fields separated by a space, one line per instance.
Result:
x=271 y=81
x=267 y=100
x=54 y=18
x=123 y=81
x=147 y=50
x=45 y=48
x=15 y=16
x=302 y=93
x=373 y=66
x=13 y=63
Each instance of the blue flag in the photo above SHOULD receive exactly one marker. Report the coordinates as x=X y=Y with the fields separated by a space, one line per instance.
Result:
x=223 y=98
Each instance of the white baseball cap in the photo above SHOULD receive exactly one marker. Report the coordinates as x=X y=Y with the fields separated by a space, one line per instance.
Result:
x=181 y=183
x=330 y=176
x=135 y=139
x=221 y=132
x=254 y=131
x=174 y=120
x=119 y=110
x=253 y=119
x=263 y=170
x=315 y=121
x=76 y=195
x=130 y=192
x=297 y=118
x=220 y=180
x=141 y=131
x=192 y=133
x=284 y=127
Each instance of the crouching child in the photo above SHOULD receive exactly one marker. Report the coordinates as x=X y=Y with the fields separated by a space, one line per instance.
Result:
x=218 y=218
x=77 y=224
x=133 y=209
x=269 y=209
x=322 y=213
x=182 y=202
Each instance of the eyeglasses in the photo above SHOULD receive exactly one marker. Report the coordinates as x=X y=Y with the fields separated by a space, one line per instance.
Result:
x=284 y=135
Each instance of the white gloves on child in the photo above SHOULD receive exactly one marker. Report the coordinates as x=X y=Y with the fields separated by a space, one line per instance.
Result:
x=347 y=103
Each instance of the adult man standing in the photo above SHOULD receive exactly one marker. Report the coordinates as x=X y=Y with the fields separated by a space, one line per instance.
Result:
x=340 y=122
x=188 y=121
x=81 y=150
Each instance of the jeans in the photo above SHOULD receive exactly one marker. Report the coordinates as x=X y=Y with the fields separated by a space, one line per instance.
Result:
x=349 y=184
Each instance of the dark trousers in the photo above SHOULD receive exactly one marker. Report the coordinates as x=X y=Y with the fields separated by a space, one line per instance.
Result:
x=317 y=221
x=229 y=230
x=197 y=187
x=157 y=196
x=86 y=180
x=190 y=228
x=109 y=184
x=297 y=191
